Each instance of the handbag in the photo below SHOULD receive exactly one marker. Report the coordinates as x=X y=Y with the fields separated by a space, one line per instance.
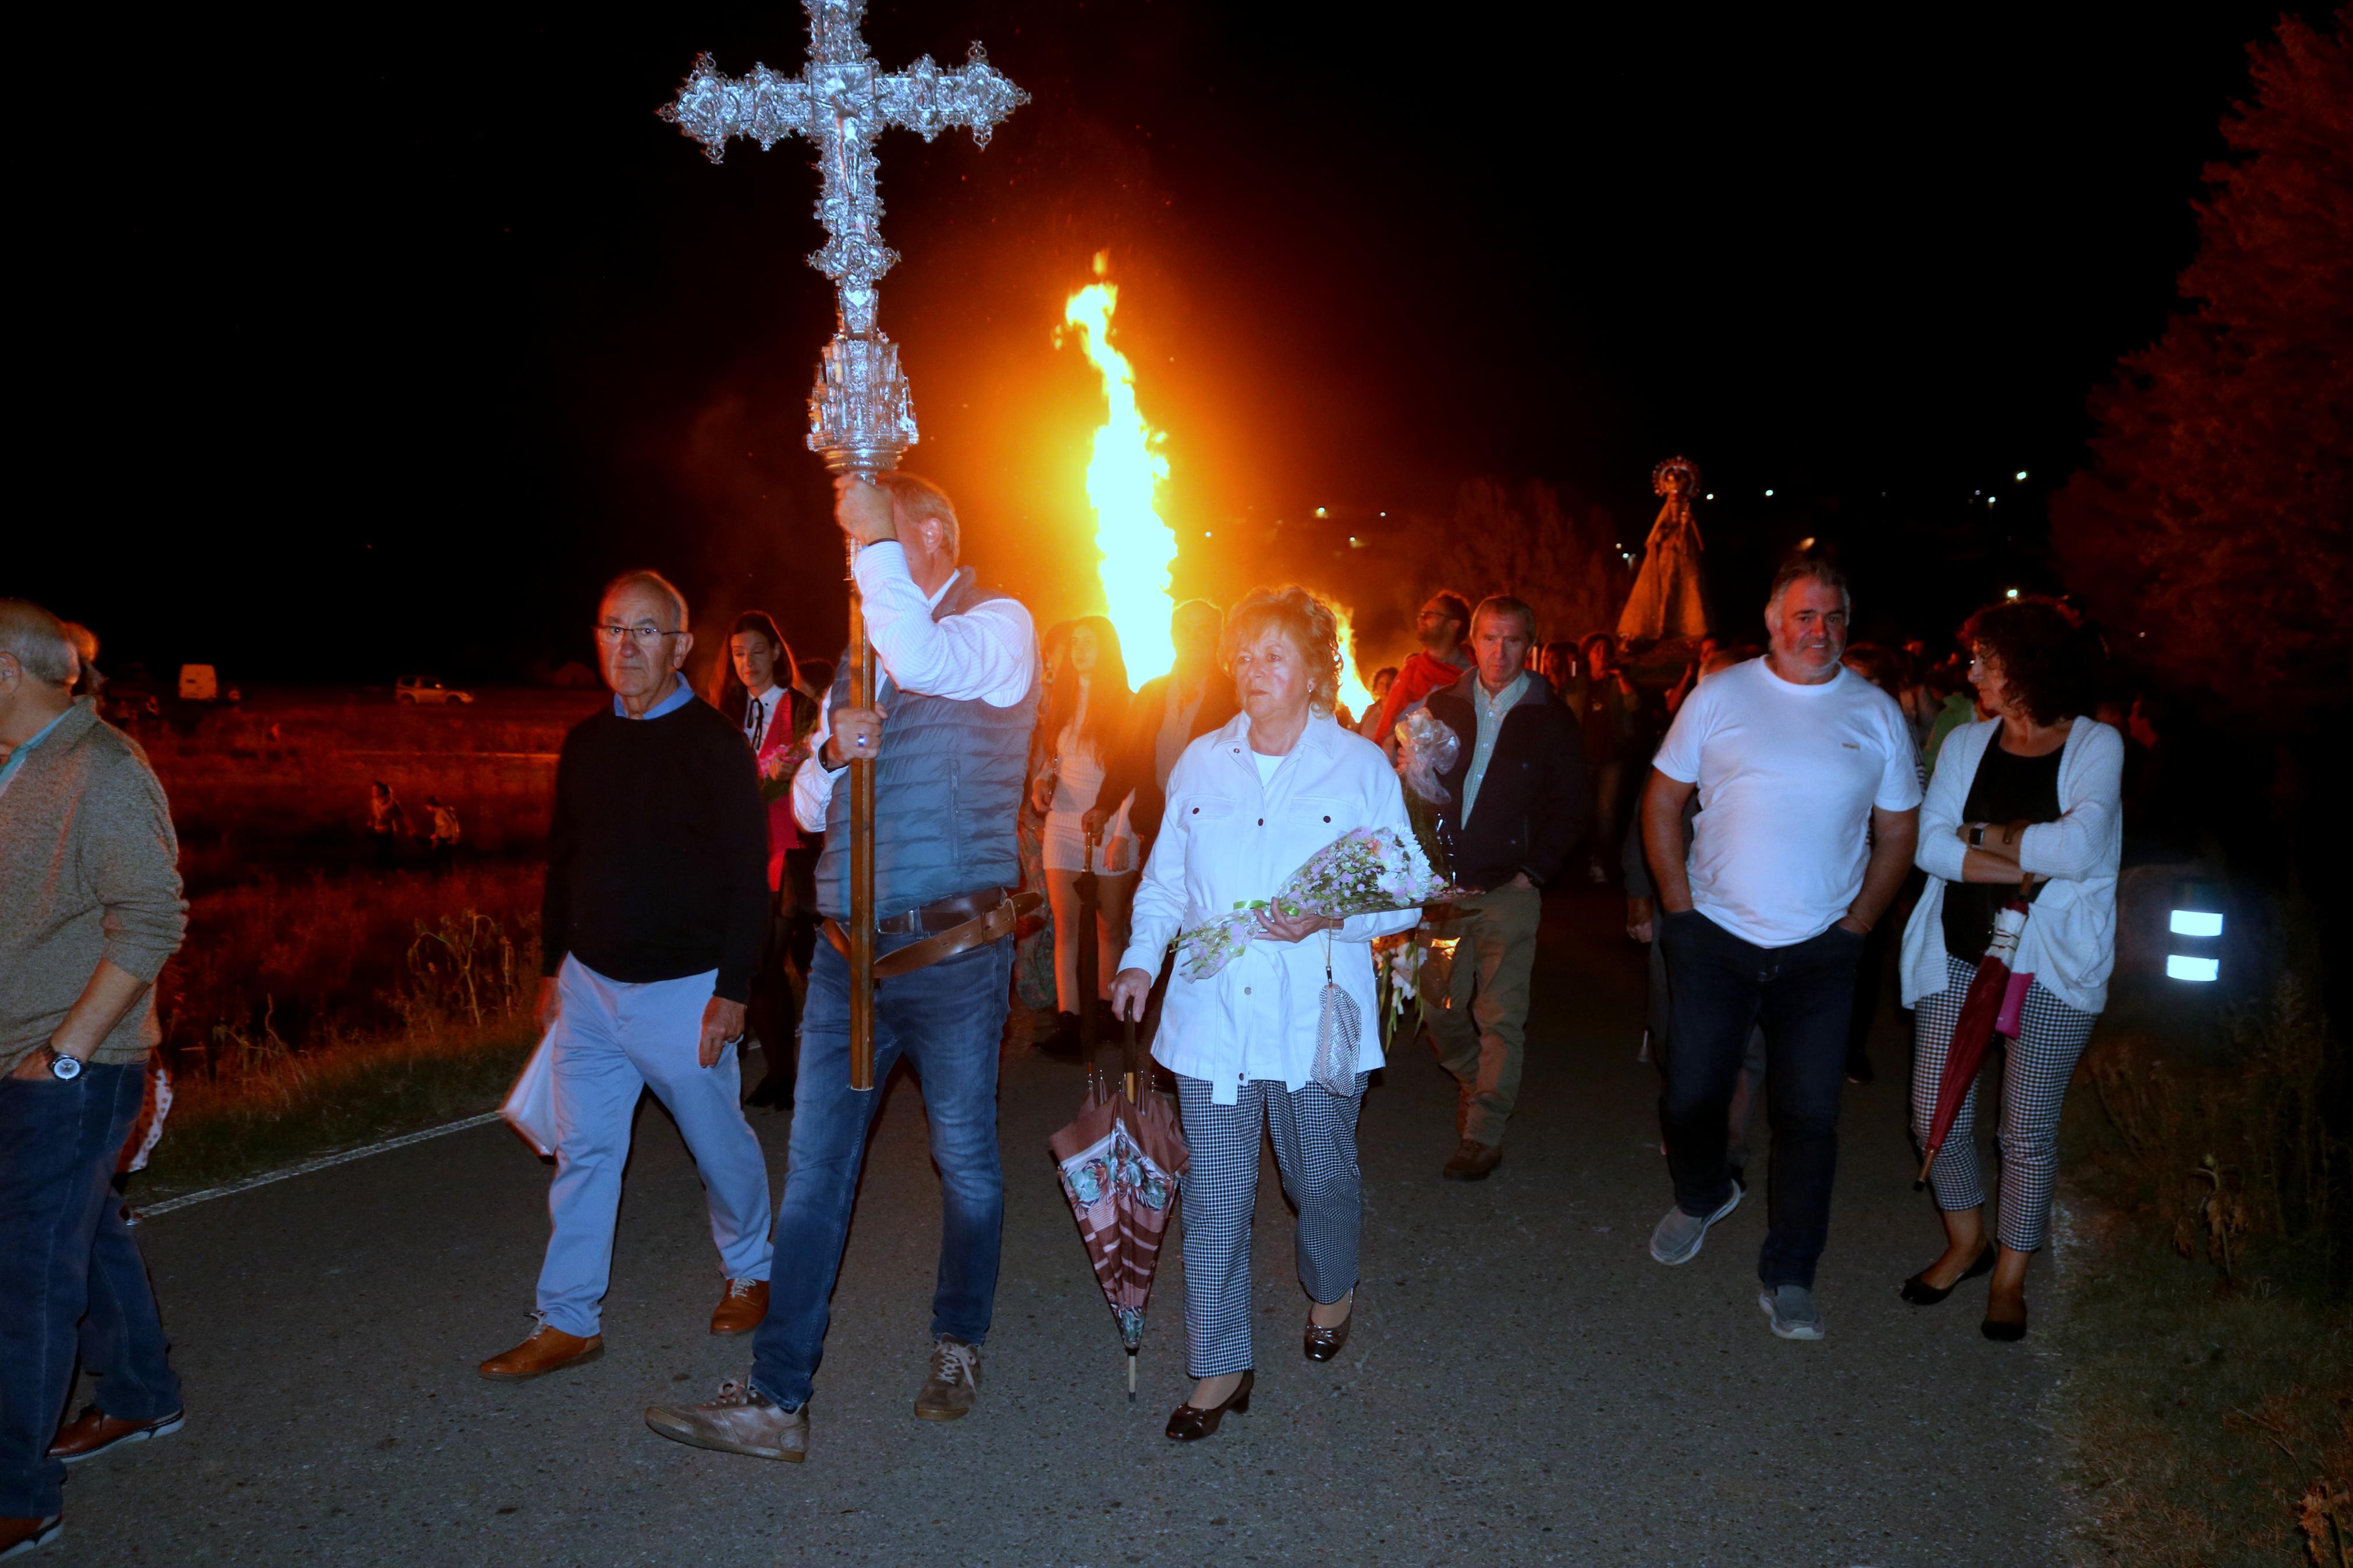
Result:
x=1339 y=1026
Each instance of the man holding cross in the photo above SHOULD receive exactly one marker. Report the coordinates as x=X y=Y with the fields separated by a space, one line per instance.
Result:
x=949 y=738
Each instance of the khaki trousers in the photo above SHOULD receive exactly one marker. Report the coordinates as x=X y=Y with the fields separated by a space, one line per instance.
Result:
x=1475 y=1005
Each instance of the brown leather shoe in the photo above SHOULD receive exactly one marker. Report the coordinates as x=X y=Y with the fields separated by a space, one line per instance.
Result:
x=93 y=1432
x=1473 y=1161
x=947 y=1394
x=1188 y=1423
x=21 y=1536
x=548 y=1349
x=740 y=1310
x=1326 y=1341
x=742 y=1420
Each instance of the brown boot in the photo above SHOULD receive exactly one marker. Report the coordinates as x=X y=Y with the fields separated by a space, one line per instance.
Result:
x=548 y=1349
x=93 y=1432
x=740 y=1421
x=947 y=1394
x=20 y=1535
x=1473 y=1161
x=740 y=1310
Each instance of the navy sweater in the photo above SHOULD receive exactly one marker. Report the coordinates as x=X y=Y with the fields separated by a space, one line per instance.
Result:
x=658 y=861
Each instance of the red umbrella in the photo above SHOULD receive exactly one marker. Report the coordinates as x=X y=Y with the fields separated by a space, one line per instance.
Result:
x=1122 y=1163
x=1973 y=1030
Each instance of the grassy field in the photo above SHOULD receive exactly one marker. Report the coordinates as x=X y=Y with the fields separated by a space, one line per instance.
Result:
x=322 y=1001
x=2207 y=1395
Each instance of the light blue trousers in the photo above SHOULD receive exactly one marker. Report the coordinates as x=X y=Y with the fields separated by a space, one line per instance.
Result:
x=614 y=1041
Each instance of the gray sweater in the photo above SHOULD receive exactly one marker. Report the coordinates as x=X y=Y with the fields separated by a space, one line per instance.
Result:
x=89 y=869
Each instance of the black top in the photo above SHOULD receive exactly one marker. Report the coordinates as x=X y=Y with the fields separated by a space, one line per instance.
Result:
x=1534 y=800
x=2008 y=788
x=658 y=861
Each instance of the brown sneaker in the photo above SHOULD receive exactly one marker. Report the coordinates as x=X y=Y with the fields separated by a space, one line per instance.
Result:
x=1473 y=1161
x=93 y=1432
x=740 y=1421
x=21 y=1536
x=548 y=1349
x=740 y=1310
x=947 y=1394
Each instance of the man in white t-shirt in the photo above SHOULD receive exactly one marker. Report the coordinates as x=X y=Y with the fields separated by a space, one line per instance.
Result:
x=1809 y=804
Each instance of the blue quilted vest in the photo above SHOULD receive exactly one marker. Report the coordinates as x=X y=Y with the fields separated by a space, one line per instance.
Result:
x=947 y=790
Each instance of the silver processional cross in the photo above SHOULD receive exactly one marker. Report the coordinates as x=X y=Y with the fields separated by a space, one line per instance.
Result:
x=862 y=417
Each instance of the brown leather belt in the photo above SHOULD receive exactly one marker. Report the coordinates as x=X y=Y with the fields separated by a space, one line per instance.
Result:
x=957 y=925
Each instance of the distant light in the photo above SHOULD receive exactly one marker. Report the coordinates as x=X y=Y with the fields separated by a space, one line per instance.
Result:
x=1711 y=495
x=1385 y=514
x=2009 y=592
x=1207 y=534
x=1807 y=542
x=2179 y=966
x=2197 y=922
x=1355 y=542
x=2020 y=476
x=1991 y=500
x=1768 y=495
x=1323 y=511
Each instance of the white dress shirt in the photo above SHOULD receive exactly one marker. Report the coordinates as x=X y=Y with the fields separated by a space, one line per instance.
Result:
x=989 y=653
x=1230 y=835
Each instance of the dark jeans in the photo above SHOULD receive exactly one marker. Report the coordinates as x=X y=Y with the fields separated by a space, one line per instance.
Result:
x=70 y=1277
x=948 y=1021
x=1802 y=993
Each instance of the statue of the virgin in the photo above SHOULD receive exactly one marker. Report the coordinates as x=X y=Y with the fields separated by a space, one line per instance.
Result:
x=1670 y=597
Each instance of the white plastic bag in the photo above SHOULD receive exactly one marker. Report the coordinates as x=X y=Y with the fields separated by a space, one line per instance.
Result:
x=530 y=1107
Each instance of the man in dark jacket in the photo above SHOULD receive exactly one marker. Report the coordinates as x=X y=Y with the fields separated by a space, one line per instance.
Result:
x=1518 y=803
x=1167 y=715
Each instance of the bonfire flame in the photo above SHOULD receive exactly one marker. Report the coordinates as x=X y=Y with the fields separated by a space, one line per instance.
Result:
x=1355 y=695
x=1122 y=480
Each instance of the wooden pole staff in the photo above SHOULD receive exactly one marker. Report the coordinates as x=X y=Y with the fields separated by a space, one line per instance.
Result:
x=861 y=860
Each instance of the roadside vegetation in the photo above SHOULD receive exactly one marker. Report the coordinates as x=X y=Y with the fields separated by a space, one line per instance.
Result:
x=2208 y=1330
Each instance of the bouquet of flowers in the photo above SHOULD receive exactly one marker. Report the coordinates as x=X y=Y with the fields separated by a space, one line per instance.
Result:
x=1366 y=870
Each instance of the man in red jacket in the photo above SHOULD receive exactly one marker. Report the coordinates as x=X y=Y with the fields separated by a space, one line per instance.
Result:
x=1442 y=626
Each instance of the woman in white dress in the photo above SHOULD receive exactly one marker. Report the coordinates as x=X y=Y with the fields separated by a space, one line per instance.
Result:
x=1086 y=717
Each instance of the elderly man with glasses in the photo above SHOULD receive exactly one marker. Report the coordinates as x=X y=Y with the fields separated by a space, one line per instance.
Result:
x=655 y=902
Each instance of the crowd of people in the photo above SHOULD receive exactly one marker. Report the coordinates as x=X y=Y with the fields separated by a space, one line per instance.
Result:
x=1776 y=812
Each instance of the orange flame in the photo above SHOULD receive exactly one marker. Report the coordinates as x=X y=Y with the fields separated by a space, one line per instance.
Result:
x=1355 y=695
x=1121 y=481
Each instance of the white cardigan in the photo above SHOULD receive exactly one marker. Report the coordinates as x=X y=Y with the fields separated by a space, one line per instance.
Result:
x=1225 y=840
x=2069 y=944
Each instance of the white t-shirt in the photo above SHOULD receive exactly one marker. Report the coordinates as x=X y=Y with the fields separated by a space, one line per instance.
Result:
x=1788 y=776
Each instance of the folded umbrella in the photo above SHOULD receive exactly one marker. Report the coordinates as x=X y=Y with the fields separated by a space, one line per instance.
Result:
x=1122 y=1163
x=1973 y=1030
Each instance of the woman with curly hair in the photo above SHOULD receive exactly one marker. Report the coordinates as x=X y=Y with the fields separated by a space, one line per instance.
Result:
x=1248 y=804
x=2029 y=799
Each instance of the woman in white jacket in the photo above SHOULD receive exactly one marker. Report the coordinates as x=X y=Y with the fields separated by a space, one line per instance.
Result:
x=2031 y=797
x=1247 y=805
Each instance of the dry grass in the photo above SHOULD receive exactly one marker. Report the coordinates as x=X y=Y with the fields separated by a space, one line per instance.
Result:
x=2208 y=1332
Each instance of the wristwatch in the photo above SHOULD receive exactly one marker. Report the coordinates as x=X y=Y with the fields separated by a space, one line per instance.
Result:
x=62 y=1068
x=1977 y=835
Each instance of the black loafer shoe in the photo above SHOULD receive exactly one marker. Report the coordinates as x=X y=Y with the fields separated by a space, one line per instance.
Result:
x=1190 y=1423
x=2001 y=1331
x=1921 y=1294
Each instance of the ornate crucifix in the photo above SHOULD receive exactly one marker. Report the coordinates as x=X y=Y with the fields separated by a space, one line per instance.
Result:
x=861 y=415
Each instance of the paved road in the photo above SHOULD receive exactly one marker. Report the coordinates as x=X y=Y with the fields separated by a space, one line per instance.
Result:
x=1525 y=1385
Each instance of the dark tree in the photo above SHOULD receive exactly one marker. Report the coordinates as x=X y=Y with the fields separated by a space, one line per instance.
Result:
x=2209 y=533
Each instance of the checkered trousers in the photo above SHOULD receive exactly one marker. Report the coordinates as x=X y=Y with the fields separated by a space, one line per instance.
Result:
x=1314 y=1135
x=2050 y=1036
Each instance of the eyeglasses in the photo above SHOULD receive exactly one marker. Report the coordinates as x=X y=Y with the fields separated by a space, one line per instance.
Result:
x=607 y=632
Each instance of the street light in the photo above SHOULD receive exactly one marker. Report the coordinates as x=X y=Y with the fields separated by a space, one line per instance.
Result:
x=2197 y=928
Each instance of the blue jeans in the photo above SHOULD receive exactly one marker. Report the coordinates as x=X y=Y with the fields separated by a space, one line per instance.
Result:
x=71 y=1279
x=1802 y=993
x=946 y=1020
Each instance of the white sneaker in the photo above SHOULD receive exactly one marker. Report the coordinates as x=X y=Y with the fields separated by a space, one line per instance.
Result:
x=1792 y=1309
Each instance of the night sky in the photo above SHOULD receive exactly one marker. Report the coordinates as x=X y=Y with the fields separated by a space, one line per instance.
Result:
x=375 y=343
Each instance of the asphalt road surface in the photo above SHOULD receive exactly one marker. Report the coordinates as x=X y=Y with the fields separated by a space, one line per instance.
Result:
x=1524 y=1385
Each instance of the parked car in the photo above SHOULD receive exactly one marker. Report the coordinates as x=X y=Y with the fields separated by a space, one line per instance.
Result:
x=414 y=690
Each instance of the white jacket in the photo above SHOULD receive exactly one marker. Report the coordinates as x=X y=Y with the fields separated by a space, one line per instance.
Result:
x=1224 y=841
x=2069 y=944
